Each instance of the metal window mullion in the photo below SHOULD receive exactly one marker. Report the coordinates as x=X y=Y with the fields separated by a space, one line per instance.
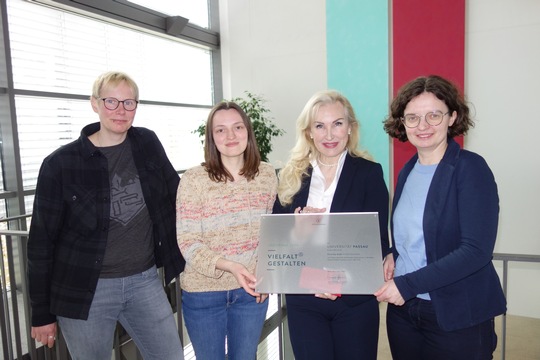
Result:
x=8 y=125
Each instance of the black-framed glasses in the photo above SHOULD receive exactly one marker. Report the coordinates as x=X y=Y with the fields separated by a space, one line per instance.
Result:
x=112 y=103
x=433 y=118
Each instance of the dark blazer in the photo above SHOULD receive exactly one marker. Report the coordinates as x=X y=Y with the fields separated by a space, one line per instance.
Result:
x=360 y=188
x=460 y=228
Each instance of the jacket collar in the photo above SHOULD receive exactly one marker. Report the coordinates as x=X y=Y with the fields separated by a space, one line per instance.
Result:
x=342 y=189
x=451 y=154
x=344 y=183
x=450 y=157
x=87 y=148
x=441 y=178
x=439 y=189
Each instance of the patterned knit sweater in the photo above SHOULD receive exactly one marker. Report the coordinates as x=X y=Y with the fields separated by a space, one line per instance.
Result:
x=220 y=220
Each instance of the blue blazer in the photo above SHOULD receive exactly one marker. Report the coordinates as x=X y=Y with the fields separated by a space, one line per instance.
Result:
x=360 y=188
x=460 y=228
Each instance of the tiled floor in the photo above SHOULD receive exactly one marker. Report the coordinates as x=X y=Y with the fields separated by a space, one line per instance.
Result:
x=522 y=338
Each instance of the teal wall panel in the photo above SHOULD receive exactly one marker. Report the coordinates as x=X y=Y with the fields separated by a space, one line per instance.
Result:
x=358 y=66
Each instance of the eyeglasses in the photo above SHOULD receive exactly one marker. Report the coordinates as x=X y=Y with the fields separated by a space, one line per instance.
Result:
x=112 y=103
x=433 y=118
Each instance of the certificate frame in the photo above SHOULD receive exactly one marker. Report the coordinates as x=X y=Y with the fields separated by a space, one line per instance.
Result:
x=307 y=253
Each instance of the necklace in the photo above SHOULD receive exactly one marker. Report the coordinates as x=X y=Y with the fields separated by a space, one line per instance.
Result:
x=323 y=164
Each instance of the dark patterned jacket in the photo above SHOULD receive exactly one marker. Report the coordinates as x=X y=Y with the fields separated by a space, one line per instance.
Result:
x=70 y=221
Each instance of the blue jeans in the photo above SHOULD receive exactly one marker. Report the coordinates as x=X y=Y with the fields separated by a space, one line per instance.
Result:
x=139 y=303
x=414 y=334
x=215 y=315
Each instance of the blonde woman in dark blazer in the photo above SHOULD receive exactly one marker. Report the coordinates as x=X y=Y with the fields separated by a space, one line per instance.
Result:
x=328 y=173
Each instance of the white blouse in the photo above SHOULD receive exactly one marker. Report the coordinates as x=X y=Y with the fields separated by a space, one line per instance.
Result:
x=318 y=196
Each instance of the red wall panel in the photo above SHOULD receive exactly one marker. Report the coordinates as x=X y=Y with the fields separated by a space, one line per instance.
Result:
x=428 y=37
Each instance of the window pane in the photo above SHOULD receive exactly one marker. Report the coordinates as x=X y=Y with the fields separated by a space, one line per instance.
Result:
x=62 y=52
x=173 y=126
x=29 y=206
x=44 y=125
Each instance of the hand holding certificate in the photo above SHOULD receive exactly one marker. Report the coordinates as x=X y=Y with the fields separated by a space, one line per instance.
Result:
x=337 y=253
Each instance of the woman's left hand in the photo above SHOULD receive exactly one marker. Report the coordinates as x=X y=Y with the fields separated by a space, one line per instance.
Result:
x=389 y=293
x=261 y=298
x=388 y=267
x=327 y=296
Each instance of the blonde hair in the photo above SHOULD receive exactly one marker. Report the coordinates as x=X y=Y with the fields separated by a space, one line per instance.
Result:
x=290 y=177
x=114 y=78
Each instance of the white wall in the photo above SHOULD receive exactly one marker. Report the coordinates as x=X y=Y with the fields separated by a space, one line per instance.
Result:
x=277 y=49
x=502 y=82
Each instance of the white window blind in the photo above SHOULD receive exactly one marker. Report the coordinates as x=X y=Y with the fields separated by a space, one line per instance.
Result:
x=53 y=50
x=58 y=52
x=45 y=124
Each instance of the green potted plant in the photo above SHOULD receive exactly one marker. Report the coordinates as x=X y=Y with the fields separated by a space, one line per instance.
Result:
x=264 y=128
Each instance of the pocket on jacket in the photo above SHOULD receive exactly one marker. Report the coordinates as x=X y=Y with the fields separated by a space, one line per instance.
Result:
x=81 y=213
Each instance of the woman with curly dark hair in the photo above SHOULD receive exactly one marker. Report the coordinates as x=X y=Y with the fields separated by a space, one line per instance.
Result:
x=441 y=286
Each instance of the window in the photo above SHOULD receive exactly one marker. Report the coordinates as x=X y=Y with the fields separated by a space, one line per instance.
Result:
x=57 y=54
x=56 y=51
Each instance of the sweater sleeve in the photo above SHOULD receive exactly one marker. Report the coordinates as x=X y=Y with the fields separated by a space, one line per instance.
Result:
x=189 y=223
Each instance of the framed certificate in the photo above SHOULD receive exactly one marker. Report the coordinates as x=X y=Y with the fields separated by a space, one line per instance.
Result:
x=338 y=253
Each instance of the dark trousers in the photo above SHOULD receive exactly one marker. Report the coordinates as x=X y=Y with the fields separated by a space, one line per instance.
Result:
x=322 y=329
x=414 y=334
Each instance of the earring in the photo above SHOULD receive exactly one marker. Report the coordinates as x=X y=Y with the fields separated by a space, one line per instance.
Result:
x=349 y=132
x=311 y=136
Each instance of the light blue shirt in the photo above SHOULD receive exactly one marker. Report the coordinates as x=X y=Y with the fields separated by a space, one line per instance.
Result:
x=408 y=222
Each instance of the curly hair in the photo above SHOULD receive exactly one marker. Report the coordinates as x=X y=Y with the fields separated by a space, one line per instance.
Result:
x=444 y=90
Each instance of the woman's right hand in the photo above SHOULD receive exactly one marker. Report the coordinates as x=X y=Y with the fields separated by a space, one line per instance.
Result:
x=242 y=275
x=309 y=209
x=390 y=294
x=45 y=334
x=303 y=225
